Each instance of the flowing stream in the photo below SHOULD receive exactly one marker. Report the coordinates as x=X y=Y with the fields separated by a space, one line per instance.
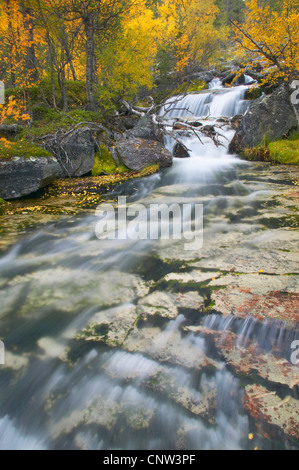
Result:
x=120 y=344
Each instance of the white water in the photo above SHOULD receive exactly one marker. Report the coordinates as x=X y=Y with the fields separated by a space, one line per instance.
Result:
x=44 y=402
x=214 y=103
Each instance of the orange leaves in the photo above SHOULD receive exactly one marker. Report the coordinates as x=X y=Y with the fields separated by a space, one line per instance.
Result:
x=13 y=111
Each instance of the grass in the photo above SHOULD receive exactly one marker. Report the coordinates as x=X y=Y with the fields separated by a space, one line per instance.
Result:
x=285 y=152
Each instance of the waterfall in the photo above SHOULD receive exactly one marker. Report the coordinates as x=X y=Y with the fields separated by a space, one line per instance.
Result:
x=214 y=103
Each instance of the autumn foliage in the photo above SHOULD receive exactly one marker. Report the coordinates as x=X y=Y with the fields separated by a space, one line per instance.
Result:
x=270 y=38
x=114 y=46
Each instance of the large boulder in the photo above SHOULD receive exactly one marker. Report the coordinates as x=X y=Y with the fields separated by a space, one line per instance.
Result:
x=271 y=117
x=74 y=151
x=137 y=153
x=22 y=176
x=145 y=128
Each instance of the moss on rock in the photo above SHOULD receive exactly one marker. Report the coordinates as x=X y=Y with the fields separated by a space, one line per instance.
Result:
x=10 y=149
x=105 y=164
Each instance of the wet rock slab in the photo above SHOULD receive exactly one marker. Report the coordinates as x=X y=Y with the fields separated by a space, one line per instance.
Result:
x=67 y=290
x=167 y=346
x=268 y=408
x=258 y=295
x=110 y=326
x=248 y=358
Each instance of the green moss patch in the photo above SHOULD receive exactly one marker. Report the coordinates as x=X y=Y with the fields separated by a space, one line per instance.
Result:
x=47 y=121
x=20 y=148
x=105 y=165
x=285 y=152
x=282 y=151
x=253 y=93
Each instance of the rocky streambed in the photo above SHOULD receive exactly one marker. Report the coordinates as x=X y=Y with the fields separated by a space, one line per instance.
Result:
x=147 y=345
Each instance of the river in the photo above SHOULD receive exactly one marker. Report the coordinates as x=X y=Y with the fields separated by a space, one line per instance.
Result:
x=144 y=344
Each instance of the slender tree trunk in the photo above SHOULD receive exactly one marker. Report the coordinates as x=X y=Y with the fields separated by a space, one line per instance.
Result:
x=90 y=63
x=52 y=71
x=62 y=84
x=65 y=45
x=11 y=48
x=30 y=62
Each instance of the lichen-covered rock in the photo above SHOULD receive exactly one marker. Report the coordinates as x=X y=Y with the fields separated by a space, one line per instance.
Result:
x=22 y=176
x=267 y=407
x=158 y=303
x=137 y=153
x=145 y=128
x=167 y=346
x=249 y=359
x=110 y=326
x=257 y=295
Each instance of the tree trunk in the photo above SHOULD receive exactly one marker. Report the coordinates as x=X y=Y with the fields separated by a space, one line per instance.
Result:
x=90 y=63
x=30 y=61
x=62 y=85
x=65 y=45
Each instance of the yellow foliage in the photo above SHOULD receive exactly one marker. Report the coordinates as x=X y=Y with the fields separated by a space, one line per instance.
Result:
x=271 y=38
x=126 y=60
x=13 y=111
x=189 y=27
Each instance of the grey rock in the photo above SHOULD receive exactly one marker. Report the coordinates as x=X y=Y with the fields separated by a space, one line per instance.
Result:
x=137 y=153
x=271 y=116
x=22 y=176
x=205 y=76
x=180 y=151
x=74 y=152
x=146 y=129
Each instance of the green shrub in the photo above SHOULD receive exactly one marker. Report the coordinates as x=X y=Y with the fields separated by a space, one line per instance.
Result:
x=76 y=93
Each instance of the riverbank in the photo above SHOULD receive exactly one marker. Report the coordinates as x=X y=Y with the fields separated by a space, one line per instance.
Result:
x=65 y=198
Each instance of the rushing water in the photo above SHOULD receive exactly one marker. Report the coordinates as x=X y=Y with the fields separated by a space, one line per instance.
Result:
x=65 y=389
